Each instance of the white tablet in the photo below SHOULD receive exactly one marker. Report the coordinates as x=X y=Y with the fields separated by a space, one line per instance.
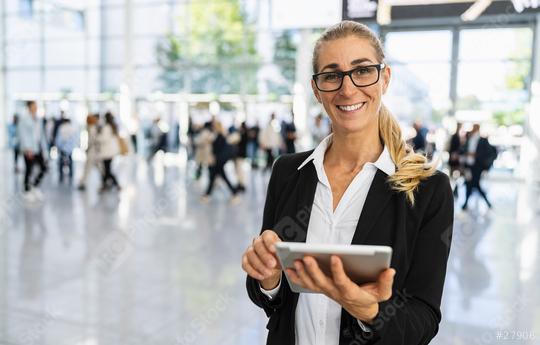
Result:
x=362 y=263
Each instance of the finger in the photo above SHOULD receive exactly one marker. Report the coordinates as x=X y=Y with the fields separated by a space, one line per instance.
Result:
x=270 y=238
x=304 y=276
x=252 y=272
x=255 y=261
x=291 y=273
x=384 y=284
x=340 y=278
x=268 y=259
x=317 y=275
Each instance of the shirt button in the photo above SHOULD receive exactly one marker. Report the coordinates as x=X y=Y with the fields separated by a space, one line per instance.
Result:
x=321 y=323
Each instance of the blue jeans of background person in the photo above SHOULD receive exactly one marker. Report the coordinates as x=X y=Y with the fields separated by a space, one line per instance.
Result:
x=65 y=160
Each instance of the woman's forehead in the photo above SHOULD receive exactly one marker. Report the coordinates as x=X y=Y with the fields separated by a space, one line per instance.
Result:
x=344 y=51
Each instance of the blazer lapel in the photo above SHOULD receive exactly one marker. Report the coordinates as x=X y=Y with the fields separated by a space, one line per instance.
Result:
x=378 y=196
x=305 y=194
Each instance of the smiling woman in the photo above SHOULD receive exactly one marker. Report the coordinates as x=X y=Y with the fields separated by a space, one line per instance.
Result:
x=361 y=185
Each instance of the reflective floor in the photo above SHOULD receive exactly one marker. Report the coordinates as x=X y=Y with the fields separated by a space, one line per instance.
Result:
x=152 y=265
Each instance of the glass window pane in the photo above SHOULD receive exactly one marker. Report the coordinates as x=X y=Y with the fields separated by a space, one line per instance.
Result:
x=19 y=29
x=23 y=81
x=146 y=80
x=145 y=51
x=496 y=44
x=416 y=46
x=65 y=53
x=419 y=89
x=113 y=19
x=492 y=81
x=23 y=54
x=157 y=19
x=64 y=80
x=112 y=78
x=113 y=52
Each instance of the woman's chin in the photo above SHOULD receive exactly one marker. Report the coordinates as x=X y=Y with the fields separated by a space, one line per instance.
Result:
x=349 y=127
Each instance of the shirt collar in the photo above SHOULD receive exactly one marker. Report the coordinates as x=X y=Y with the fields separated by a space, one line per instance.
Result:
x=384 y=162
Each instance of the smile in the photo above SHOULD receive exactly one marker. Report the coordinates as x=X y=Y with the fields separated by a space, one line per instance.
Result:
x=352 y=107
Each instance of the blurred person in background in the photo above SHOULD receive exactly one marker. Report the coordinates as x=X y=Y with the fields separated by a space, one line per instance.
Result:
x=455 y=154
x=270 y=141
x=222 y=153
x=13 y=141
x=108 y=148
x=203 y=148
x=319 y=130
x=239 y=138
x=66 y=140
x=253 y=145
x=32 y=141
x=55 y=124
x=419 y=140
x=92 y=150
x=479 y=157
x=158 y=138
x=289 y=135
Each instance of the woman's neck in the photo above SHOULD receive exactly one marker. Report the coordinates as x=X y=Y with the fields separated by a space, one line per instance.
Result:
x=352 y=150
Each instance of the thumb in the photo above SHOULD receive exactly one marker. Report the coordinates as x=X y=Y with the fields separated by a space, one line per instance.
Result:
x=385 y=283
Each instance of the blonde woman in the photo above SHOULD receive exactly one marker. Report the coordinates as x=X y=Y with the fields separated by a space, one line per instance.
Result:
x=361 y=185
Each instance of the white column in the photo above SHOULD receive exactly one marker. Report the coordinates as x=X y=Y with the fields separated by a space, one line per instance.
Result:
x=126 y=89
x=4 y=116
x=302 y=84
x=530 y=149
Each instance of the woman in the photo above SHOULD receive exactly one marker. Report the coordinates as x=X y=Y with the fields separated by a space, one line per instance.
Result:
x=108 y=149
x=361 y=185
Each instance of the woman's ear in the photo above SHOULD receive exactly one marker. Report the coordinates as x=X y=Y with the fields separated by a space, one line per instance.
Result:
x=386 y=76
x=315 y=91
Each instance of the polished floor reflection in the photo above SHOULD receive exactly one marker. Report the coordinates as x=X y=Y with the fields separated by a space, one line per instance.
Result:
x=152 y=265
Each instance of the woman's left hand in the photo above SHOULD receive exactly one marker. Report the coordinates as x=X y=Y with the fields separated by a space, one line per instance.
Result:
x=361 y=301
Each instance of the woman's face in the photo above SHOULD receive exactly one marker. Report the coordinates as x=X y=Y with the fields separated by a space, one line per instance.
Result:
x=351 y=109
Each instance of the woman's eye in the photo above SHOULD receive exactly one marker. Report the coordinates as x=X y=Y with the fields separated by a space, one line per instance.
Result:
x=363 y=70
x=331 y=77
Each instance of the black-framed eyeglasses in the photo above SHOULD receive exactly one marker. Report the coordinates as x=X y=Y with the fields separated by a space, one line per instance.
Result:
x=360 y=76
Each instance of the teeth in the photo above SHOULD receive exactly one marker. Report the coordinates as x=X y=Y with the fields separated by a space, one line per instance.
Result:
x=350 y=107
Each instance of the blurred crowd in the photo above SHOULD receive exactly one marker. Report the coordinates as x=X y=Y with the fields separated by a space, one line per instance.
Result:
x=37 y=140
x=470 y=156
x=210 y=146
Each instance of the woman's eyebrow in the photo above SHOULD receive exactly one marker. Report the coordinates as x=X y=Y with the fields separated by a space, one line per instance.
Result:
x=354 y=62
x=359 y=61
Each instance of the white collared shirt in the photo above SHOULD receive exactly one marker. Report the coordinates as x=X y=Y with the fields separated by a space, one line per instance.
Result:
x=318 y=317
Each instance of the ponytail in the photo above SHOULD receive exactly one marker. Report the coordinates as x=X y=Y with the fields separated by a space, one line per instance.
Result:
x=411 y=168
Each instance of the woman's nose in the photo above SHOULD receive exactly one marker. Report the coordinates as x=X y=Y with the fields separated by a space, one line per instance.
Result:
x=347 y=87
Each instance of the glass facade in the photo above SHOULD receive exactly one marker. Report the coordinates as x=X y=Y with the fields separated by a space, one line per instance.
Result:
x=229 y=47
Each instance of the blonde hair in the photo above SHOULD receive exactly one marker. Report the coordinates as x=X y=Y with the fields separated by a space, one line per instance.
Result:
x=218 y=127
x=411 y=168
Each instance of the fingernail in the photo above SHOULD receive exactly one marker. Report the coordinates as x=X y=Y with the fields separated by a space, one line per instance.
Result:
x=272 y=262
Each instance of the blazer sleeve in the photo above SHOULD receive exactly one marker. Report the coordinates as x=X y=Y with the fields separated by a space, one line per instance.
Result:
x=252 y=285
x=413 y=314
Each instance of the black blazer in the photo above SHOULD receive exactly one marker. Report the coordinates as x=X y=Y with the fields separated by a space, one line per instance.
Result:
x=420 y=237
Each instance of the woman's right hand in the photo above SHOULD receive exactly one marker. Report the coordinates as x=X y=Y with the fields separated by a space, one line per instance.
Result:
x=260 y=261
